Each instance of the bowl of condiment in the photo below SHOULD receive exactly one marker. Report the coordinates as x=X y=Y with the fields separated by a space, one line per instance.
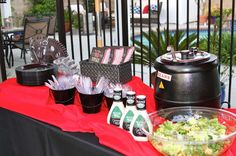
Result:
x=192 y=130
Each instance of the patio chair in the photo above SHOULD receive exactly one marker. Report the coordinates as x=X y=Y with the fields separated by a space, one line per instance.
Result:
x=5 y=46
x=33 y=28
x=52 y=23
x=54 y=50
x=52 y=26
x=154 y=14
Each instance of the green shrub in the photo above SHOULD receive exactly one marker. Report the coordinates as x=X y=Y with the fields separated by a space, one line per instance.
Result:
x=42 y=7
x=74 y=18
x=147 y=56
x=225 y=46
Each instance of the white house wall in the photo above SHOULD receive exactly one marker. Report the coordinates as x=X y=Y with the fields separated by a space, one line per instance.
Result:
x=172 y=10
x=182 y=11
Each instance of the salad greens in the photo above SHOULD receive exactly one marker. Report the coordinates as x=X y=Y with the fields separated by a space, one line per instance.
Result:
x=177 y=137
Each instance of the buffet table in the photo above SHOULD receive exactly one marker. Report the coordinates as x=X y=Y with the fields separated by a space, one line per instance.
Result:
x=24 y=136
x=32 y=124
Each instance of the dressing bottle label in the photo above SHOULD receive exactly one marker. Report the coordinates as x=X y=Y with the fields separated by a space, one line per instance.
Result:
x=127 y=120
x=138 y=125
x=115 y=116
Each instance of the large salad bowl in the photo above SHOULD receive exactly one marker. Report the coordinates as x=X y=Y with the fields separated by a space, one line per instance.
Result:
x=192 y=131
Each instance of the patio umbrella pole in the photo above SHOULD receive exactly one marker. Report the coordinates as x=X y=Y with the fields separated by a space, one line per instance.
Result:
x=97 y=9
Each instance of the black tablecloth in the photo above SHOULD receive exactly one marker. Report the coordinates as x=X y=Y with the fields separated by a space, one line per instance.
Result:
x=24 y=136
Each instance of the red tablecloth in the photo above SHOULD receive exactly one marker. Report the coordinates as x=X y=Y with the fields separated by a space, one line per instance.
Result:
x=36 y=102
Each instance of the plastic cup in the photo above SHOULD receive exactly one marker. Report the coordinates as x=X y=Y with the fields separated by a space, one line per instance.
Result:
x=65 y=97
x=91 y=103
x=109 y=101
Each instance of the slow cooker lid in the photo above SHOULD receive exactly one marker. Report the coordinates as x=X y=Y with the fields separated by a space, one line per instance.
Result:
x=185 y=56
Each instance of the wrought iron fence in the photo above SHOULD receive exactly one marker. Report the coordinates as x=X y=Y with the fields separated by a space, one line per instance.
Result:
x=126 y=21
x=122 y=22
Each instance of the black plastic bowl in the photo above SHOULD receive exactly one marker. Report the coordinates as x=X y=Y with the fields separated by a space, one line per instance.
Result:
x=35 y=74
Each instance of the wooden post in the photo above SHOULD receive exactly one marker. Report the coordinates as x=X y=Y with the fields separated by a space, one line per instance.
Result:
x=97 y=10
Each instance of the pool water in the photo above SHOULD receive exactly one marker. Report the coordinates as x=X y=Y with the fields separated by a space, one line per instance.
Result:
x=202 y=34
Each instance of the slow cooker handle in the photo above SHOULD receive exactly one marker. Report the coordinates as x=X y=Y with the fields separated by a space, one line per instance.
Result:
x=171 y=50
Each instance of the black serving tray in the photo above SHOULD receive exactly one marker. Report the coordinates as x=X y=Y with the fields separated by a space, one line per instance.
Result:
x=35 y=74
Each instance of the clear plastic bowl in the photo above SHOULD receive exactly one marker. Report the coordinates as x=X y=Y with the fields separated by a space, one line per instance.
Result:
x=184 y=146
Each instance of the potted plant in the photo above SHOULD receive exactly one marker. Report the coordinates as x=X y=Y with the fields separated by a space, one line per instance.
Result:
x=66 y=20
x=215 y=16
x=225 y=46
x=224 y=55
x=73 y=21
x=203 y=11
x=143 y=56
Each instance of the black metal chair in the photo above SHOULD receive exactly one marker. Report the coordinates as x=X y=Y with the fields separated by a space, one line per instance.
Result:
x=33 y=28
x=52 y=23
x=5 y=46
x=52 y=26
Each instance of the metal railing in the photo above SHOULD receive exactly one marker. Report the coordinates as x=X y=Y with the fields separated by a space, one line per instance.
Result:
x=121 y=26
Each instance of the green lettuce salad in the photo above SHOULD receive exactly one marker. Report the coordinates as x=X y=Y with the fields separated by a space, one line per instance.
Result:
x=193 y=137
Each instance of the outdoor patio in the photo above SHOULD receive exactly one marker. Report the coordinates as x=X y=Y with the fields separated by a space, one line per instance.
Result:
x=115 y=102
x=79 y=44
x=19 y=61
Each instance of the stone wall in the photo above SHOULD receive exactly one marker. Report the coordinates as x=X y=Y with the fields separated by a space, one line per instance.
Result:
x=19 y=7
x=82 y=2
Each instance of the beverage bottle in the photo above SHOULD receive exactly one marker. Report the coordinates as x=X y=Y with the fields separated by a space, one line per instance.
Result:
x=129 y=112
x=141 y=121
x=117 y=109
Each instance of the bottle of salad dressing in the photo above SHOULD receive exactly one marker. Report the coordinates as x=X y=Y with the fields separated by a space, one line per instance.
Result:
x=130 y=110
x=141 y=120
x=117 y=108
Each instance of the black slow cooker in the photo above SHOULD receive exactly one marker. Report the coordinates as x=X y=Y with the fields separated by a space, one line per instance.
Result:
x=187 y=78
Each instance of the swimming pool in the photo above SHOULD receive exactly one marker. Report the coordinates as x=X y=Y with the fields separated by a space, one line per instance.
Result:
x=202 y=34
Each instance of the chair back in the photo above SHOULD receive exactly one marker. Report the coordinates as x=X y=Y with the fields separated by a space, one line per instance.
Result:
x=52 y=25
x=35 y=29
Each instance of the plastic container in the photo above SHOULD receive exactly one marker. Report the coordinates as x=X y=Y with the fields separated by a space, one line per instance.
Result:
x=140 y=123
x=130 y=111
x=181 y=142
x=109 y=102
x=117 y=108
x=91 y=103
x=65 y=97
